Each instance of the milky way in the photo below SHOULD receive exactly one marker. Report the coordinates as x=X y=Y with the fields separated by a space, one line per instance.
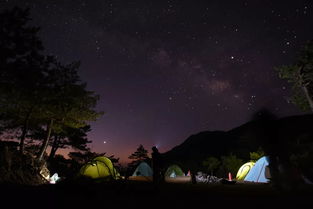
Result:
x=167 y=69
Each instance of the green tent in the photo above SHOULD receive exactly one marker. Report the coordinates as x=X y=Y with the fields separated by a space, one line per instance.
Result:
x=244 y=170
x=174 y=171
x=99 y=168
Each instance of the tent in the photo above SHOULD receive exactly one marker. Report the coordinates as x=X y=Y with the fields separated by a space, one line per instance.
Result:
x=143 y=169
x=174 y=174
x=258 y=171
x=244 y=170
x=174 y=171
x=99 y=168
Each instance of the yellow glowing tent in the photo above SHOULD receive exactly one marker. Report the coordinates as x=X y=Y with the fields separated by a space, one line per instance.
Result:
x=244 y=170
x=99 y=168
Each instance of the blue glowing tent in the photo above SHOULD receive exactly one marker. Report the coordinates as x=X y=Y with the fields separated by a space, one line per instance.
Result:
x=257 y=172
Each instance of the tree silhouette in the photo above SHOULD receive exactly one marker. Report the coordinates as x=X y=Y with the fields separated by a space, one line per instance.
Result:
x=231 y=163
x=211 y=163
x=300 y=75
x=82 y=157
x=37 y=91
x=140 y=155
x=21 y=75
x=69 y=103
x=254 y=156
x=75 y=138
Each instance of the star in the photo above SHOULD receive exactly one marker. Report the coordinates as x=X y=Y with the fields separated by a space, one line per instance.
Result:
x=174 y=62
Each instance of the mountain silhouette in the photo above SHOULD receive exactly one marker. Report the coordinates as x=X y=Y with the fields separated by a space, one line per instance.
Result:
x=240 y=140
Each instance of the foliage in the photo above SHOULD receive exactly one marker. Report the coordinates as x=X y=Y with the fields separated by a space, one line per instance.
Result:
x=254 y=156
x=211 y=163
x=141 y=154
x=21 y=71
x=84 y=157
x=37 y=91
x=69 y=103
x=64 y=167
x=76 y=138
x=16 y=168
x=231 y=163
x=300 y=75
x=70 y=167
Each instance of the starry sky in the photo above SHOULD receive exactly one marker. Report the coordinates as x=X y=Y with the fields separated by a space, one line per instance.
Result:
x=167 y=69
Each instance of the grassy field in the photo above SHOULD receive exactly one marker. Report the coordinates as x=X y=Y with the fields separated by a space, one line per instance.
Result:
x=136 y=194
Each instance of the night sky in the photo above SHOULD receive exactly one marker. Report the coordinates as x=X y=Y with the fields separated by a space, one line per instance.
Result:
x=167 y=69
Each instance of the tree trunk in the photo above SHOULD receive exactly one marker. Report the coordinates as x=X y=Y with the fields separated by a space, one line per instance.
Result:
x=307 y=95
x=54 y=148
x=46 y=142
x=24 y=131
x=304 y=87
x=22 y=142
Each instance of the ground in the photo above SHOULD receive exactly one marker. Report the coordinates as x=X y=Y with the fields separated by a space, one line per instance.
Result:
x=133 y=194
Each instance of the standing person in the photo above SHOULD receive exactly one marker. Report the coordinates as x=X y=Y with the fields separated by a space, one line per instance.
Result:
x=156 y=165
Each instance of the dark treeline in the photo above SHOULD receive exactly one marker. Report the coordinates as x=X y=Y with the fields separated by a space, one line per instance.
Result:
x=43 y=102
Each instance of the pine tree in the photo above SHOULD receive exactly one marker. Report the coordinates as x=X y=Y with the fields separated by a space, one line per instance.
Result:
x=140 y=155
x=75 y=138
x=68 y=104
x=21 y=71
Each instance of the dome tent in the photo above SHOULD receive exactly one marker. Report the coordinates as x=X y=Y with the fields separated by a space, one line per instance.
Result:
x=174 y=171
x=99 y=168
x=143 y=169
x=244 y=170
x=258 y=172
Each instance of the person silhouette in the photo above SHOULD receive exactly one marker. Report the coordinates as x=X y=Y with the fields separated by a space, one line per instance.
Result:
x=156 y=165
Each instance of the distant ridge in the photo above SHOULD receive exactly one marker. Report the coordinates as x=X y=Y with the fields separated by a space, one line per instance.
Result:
x=239 y=141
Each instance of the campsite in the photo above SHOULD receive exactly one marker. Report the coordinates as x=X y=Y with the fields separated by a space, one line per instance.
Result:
x=156 y=104
x=98 y=183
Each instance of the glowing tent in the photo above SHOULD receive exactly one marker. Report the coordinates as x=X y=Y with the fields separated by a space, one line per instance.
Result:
x=143 y=172
x=99 y=168
x=143 y=169
x=174 y=171
x=244 y=170
x=257 y=173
